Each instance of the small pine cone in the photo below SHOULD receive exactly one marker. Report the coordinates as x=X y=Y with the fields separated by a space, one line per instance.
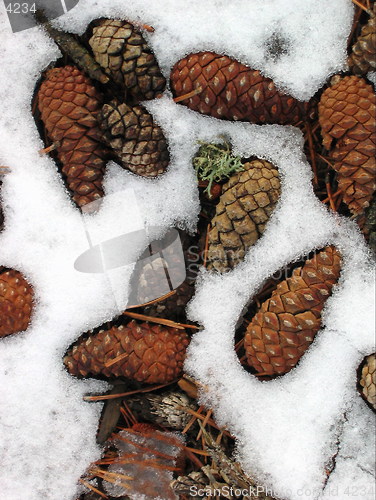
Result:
x=368 y=380
x=69 y=105
x=245 y=206
x=125 y=56
x=285 y=326
x=363 y=53
x=152 y=354
x=138 y=142
x=163 y=409
x=347 y=118
x=194 y=481
x=16 y=302
x=232 y=91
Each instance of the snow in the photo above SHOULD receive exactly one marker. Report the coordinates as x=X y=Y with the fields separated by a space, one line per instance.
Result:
x=284 y=437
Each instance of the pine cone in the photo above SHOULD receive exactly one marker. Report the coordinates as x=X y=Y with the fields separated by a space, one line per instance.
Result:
x=245 y=206
x=363 y=54
x=165 y=409
x=69 y=105
x=368 y=380
x=288 y=321
x=232 y=91
x=16 y=302
x=125 y=56
x=138 y=142
x=347 y=118
x=153 y=354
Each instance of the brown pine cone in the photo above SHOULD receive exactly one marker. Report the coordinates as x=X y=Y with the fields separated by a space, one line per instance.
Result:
x=152 y=353
x=125 y=56
x=285 y=326
x=16 y=302
x=137 y=141
x=230 y=90
x=69 y=105
x=368 y=380
x=245 y=206
x=363 y=53
x=347 y=118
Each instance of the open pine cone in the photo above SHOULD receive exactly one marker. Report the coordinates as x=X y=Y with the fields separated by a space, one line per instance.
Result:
x=245 y=206
x=137 y=141
x=347 y=112
x=368 y=380
x=230 y=90
x=125 y=56
x=150 y=353
x=69 y=105
x=16 y=302
x=285 y=326
x=363 y=53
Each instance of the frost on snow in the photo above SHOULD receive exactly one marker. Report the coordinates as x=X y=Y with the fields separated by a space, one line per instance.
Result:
x=287 y=430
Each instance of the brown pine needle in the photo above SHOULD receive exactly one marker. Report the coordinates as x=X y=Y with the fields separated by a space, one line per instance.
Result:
x=198 y=452
x=104 y=397
x=126 y=410
x=159 y=299
x=312 y=153
x=53 y=146
x=198 y=90
x=160 y=321
x=361 y=6
x=92 y=488
x=204 y=423
x=116 y=360
x=329 y=191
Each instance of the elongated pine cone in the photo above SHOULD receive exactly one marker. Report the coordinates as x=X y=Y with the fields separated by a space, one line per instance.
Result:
x=285 y=326
x=368 y=380
x=69 y=105
x=245 y=206
x=230 y=90
x=363 y=53
x=16 y=302
x=137 y=141
x=151 y=353
x=125 y=56
x=348 y=124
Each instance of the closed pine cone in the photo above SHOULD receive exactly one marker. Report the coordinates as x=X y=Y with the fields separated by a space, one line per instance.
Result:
x=363 y=54
x=137 y=141
x=245 y=206
x=16 y=302
x=285 y=326
x=347 y=118
x=368 y=380
x=232 y=91
x=125 y=56
x=153 y=354
x=69 y=105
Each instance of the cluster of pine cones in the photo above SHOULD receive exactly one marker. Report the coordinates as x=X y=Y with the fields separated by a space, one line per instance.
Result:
x=88 y=122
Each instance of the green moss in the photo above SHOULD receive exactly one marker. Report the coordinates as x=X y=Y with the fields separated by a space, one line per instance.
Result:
x=215 y=163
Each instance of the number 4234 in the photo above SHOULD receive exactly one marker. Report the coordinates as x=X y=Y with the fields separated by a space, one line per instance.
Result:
x=20 y=8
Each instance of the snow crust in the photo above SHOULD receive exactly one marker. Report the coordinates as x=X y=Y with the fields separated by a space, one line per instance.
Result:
x=286 y=429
